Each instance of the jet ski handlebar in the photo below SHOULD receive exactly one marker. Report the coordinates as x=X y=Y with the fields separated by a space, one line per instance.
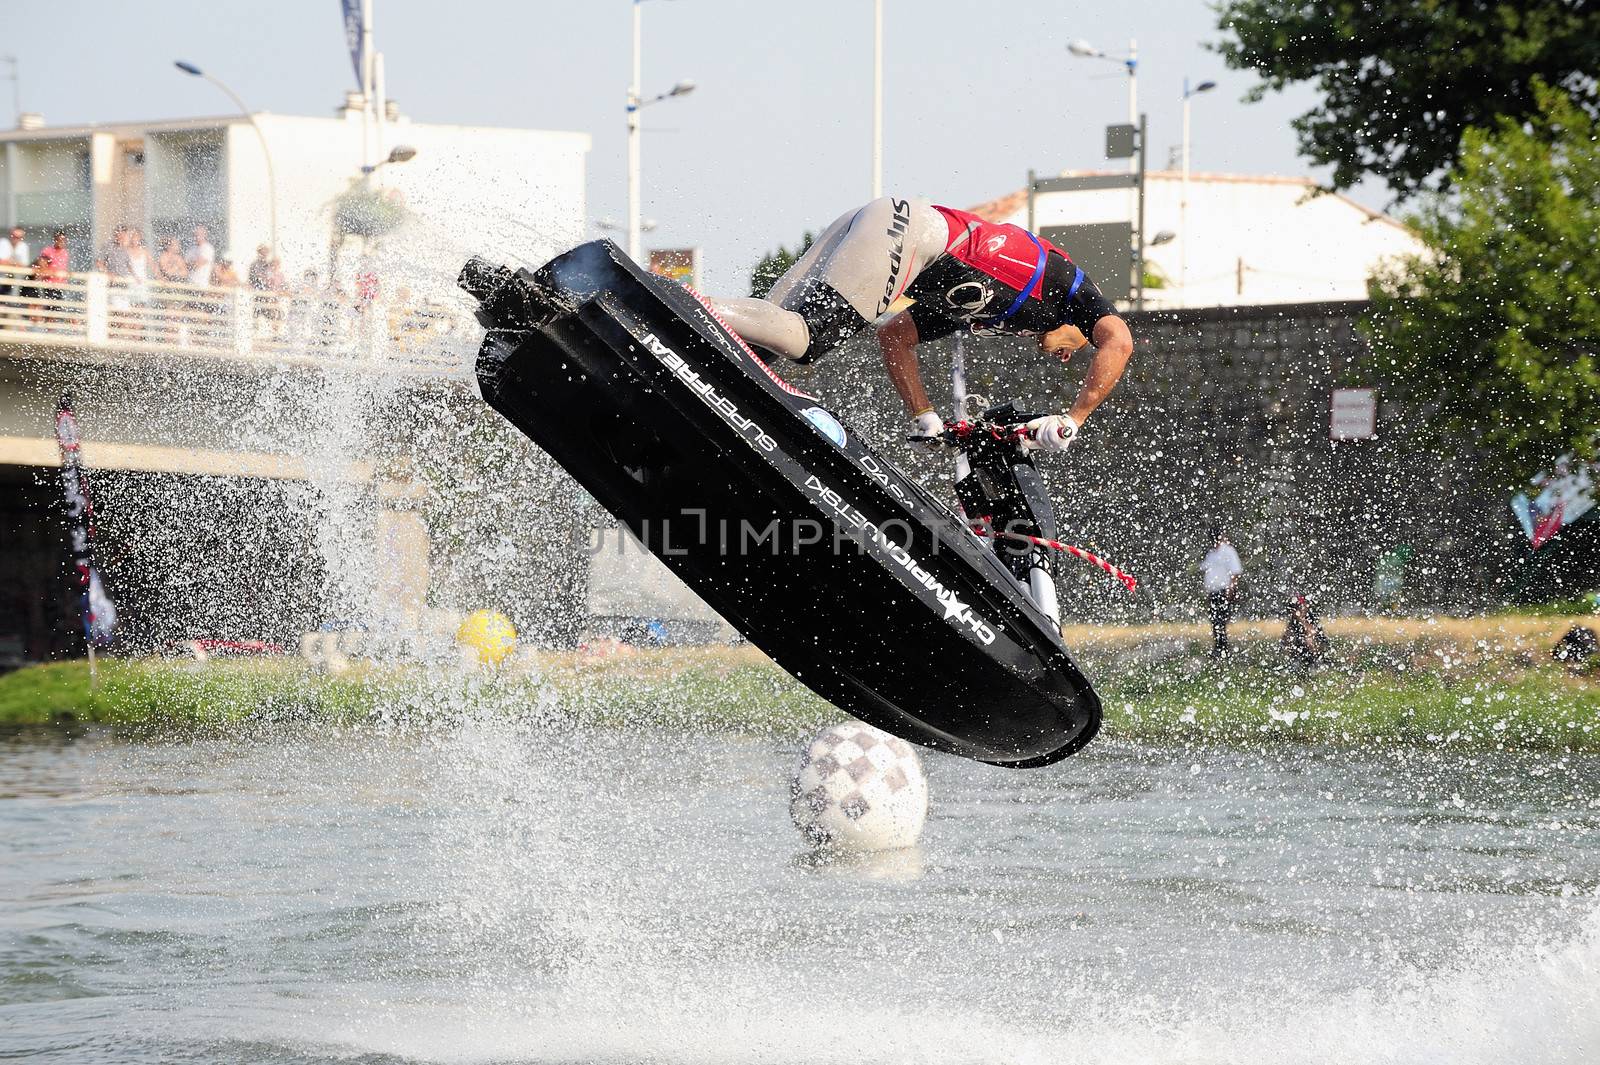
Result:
x=959 y=434
x=1005 y=425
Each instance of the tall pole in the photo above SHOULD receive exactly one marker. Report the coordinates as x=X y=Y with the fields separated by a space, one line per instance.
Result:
x=1138 y=239
x=366 y=84
x=877 y=98
x=633 y=144
x=1133 y=90
x=380 y=104
x=1135 y=164
x=1183 y=208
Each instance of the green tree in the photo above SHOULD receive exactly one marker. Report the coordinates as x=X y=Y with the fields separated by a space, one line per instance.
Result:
x=1498 y=321
x=1402 y=80
x=773 y=264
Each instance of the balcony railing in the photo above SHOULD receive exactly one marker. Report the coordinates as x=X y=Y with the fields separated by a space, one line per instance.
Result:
x=99 y=312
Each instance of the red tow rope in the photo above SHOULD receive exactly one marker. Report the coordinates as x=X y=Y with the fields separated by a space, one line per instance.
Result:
x=1127 y=579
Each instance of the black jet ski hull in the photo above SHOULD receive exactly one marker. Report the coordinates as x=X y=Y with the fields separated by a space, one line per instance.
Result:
x=822 y=553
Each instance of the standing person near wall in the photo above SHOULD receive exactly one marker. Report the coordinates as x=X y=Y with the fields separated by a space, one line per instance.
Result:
x=1219 y=576
x=1304 y=641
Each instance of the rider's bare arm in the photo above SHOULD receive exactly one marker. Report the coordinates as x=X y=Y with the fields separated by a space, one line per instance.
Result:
x=898 y=340
x=1113 y=345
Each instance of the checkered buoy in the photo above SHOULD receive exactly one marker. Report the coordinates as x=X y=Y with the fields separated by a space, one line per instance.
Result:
x=859 y=789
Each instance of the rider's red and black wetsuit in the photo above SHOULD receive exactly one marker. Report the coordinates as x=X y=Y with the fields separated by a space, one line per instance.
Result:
x=998 y=279
x=964 y=273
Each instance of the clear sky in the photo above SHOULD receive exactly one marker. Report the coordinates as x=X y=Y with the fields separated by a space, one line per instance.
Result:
x=775 y=140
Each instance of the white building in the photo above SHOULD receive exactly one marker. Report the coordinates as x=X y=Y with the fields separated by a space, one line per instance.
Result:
x=1243 y=239
x=471 y=188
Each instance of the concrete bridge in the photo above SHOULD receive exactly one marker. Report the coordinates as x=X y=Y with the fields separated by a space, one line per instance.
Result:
x=205 y=414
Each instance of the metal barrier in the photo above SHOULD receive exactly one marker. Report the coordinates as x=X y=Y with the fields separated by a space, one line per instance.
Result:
x=96 y=311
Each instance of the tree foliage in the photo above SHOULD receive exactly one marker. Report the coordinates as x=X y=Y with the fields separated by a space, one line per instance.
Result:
x=1499 y=320
x=772 y=266
x=1404 y=79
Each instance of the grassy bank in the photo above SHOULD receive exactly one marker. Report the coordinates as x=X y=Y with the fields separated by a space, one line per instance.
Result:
x=689 y=688
x=1479 y=683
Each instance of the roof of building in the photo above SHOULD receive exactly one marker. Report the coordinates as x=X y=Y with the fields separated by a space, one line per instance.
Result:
x=84 y=129
x=1003 y=207
x=214 y=122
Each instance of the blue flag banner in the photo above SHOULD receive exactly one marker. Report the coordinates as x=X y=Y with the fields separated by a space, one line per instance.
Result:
x=354 y=32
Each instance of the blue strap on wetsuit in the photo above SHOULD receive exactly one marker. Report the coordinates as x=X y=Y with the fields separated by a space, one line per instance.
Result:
x=1022 y=297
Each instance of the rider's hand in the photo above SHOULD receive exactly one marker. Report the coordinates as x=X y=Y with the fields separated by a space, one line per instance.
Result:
x=929 y=424
x=1063 y=341
x=1053 y=432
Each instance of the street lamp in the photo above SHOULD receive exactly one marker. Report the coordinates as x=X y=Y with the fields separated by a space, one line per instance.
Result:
x=1130 y=62
x=272 y=181
x=400 y=153
x=1183 y=195
x=636 y=102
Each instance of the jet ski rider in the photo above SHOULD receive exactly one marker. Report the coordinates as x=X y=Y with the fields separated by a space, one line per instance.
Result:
x=965 y=273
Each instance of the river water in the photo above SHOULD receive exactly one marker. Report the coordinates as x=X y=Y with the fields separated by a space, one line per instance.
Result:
x=486 y=891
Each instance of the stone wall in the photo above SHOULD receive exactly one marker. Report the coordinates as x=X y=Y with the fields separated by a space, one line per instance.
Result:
x=1223 y=416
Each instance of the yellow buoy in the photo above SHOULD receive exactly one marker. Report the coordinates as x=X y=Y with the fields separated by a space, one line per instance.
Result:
x=489 y=634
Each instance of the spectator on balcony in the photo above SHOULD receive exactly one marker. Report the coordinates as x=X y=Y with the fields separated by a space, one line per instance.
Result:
x=171 y=267
x=14 y=249
x=15 y=260
x=113 y=258
x=56 y=255
x=334 y=313
x=138 y=269
x=115 y=262
x=366 y=288
x=266 y=277
x=202 y=257
x=49 y=275
x=215 y=311
x=260 y=272
x=138 y=255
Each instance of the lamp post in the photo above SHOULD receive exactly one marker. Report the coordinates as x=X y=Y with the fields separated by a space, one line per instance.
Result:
x=1183 y=195
x=400 y=153
x=635 y=104
x=1130 y=62
x=272 y=181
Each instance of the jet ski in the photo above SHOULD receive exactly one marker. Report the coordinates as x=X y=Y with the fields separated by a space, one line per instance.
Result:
x=822 y=552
